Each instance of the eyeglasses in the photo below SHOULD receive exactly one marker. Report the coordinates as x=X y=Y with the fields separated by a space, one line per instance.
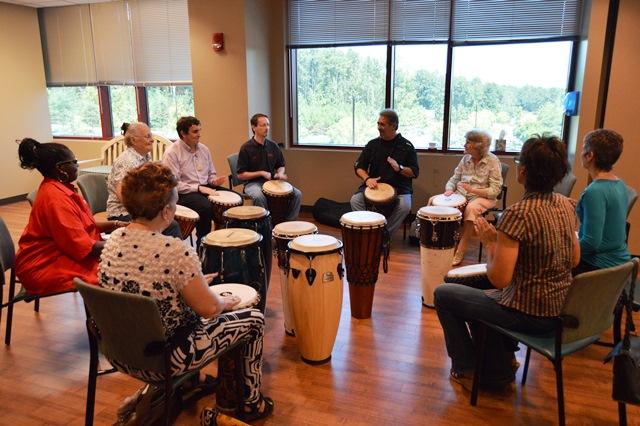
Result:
x=65 y=162
x=516 y=160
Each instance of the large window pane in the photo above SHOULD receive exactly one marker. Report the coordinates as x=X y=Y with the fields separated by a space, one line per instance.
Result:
x=418 y=92
x=512 y=89
x=339 y=94
x=75 y=111
x=123 y=106
x=166 y=105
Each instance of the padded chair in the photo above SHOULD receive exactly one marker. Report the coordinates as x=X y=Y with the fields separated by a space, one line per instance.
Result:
x=94 y=189
x=502 y=196
x=588 y=311
x=565 y=186
x=31 y=197
x=633 y=197
x=127 y=329
x=233 y=167
x=8 y=262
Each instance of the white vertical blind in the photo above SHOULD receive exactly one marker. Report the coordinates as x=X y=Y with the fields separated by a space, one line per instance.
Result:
x=67 y=44
x=119 y=42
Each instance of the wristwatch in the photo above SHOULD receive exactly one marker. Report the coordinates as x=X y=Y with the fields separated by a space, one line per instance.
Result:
x=401 y=168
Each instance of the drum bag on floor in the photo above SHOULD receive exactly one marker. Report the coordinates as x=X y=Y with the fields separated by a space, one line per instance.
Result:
x=329 y=212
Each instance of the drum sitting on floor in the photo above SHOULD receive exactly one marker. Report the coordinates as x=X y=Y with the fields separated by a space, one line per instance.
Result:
x=315 y=293
x=471 y=275
x=257 y=219
x=454 y=200
x=439 y=234
x=236 y=255
x=362 y=233
x=282 y=234
x=279 y=194
x=187 y=220
x=382 y=199
x=223 y=201
x=248 y=295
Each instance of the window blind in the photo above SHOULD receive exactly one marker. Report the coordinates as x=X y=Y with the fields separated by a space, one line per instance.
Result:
x=422 y=20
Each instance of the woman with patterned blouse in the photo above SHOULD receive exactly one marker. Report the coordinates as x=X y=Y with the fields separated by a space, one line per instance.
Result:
x=530 y=257
x=478 y=177
x=140 y=260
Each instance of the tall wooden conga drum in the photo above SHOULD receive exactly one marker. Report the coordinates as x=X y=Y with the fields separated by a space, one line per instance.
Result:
x=283 y=233
x=362 y=233
x=439 y=233
x=222 y=201
x=315 y=293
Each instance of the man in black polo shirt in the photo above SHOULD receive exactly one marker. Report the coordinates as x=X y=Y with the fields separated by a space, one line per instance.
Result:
x=389 y=159
x=260 y=160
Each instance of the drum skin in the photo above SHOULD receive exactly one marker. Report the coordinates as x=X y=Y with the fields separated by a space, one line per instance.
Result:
x=454 y=200
x=279 y=195
x=248 y=295
x=223 y=201
x=382 y=200
x=315 y=293
x=471 y=275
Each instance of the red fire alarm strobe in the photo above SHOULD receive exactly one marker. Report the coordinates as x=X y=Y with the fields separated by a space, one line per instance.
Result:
x=217 y=42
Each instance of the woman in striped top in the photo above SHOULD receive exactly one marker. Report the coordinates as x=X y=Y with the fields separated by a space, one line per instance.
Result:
x=529 y=261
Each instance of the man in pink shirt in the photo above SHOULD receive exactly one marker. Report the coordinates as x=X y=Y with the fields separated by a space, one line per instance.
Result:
x=190 y=161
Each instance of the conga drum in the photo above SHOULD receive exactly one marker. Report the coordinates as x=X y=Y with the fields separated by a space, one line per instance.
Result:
x=279 y=195
x=471 y=275
x=282 y=234
x=257 y=219
x=187 y=220
x=314 y=282
x=237 y=256
x=439 y=233
x=382 y=199
x=454 y=200
x=248 y=295
x=223 y=201
x=362 y=233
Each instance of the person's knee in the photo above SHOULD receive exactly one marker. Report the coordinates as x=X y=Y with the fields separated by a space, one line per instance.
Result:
x=357 y=202
x=444 y=295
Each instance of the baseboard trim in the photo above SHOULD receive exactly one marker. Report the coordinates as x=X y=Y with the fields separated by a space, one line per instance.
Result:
x=14 y=199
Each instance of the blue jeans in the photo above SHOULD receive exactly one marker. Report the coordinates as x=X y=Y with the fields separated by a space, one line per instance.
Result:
x=397 y=216
x=457 y=305
x=254 y=190
x=173 y=230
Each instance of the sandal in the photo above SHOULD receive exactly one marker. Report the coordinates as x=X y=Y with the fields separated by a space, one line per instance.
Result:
x=195 y=389
x=254 y=412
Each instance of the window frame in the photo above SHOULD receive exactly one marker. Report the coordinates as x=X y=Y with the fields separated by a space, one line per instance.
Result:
x=389 y=81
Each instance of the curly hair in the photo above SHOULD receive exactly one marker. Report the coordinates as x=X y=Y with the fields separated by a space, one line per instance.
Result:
x=545 y=161
x=184 y=124
x=606 y=146
x=480 y=140
x=147 y=189
x=42 y=156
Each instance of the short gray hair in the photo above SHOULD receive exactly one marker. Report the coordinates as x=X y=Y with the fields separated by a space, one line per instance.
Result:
x=131 y=131
x=480 y=139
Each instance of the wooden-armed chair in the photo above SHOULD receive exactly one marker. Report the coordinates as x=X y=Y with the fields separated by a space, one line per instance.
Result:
x=588 y=311
x=112 y=149
x=8 y=263
x=127 y=329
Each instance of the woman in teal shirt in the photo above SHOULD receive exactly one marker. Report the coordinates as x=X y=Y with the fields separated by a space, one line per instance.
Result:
x=602 y=208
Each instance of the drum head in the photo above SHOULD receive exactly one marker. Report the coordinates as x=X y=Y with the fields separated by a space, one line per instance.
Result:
x=294 y=228
x=248 y=296
x=225 y=198
x=439 y=213
x=245 y=212
x=277 y=187
x=314 y=243
x=362 y=218
x=186 y=212
x=453 y=200
x=469 y=270
x=232 y=237
x=384 y=193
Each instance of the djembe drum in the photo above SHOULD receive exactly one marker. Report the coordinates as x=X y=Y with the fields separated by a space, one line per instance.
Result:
x=439 y=233
x=282 y=234
x=248 y=295
x=236 y=255
x=362 y=233
x=223 y=201
x=257 y=219
x=454 y=200
x=382 y=199
x=187 y=220
x=279 y=195
x=471 y=275
x=315 y=294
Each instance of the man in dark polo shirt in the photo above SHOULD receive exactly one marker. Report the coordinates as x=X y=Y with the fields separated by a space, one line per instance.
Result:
x=260 y=160
x=389 y=159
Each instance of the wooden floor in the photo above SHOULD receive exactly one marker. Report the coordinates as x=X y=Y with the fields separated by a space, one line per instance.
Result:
x=391 y=369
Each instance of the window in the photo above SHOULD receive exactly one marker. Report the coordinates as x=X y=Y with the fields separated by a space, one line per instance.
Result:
x=446 y=66
x=123 y=106
x=166 y=105
x=75 y=111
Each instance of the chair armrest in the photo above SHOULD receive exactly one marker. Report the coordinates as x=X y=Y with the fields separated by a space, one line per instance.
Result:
x=89 y=161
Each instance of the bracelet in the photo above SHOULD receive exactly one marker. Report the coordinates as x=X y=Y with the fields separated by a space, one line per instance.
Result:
x=368 y=177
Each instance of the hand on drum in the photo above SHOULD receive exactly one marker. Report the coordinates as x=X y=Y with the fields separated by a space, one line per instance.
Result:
x=280 y=176
x=465 y=186
x=208 y=278
x=230 y=301
x=266 y=175
x=448 y=192
x=486 y=232
x=218 y=181
x=206 y=190
x=372 y=182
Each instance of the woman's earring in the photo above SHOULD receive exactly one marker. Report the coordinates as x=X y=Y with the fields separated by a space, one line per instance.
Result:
x=65 y=176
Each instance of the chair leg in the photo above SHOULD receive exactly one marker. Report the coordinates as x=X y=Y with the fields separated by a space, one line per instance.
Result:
x=622 y=414
x=480 y=346
x=12 y=291
x=480 y=253
x=560 y=389
x=526 y=366
x=36 y=305
x=93 y=376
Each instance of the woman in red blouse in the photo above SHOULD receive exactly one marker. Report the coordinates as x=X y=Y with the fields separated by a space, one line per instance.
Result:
x=61 y=240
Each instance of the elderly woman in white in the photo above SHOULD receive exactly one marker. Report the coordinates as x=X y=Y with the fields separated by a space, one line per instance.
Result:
x=478 y=177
